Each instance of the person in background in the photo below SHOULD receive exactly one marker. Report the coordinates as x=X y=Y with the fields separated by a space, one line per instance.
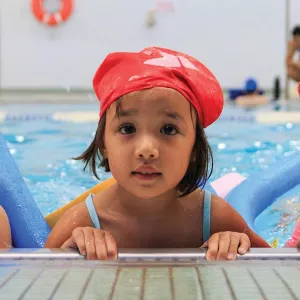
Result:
x=293 y=48
x=155 y=105
x=252 y=96
x=5 y=235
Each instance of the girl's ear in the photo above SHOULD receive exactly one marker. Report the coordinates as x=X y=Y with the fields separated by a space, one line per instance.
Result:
x=104 y=153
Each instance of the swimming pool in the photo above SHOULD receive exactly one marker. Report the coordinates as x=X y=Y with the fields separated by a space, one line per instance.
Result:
x=43 y=149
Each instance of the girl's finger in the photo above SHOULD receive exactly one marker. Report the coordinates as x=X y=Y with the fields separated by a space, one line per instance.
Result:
x=213 y=247
x=244 y=244
x=234 y=244
x=224 y=243
x=90 y=244
x=78 y=238
x=69 y=243
x=111 y=247
x=100 y=245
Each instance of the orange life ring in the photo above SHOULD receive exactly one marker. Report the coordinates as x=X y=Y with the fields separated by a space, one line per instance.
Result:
x=52 y=19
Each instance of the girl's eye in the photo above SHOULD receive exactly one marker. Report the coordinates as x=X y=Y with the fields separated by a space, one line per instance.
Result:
x=127 y=129
x=169 y=130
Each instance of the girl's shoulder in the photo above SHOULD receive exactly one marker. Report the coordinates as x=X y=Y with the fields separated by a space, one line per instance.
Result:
x=224 y=217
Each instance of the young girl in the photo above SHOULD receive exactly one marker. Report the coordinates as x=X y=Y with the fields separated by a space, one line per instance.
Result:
x=154 y=106
x=5 y=236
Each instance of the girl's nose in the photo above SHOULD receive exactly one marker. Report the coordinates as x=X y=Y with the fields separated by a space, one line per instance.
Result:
x=147 y=149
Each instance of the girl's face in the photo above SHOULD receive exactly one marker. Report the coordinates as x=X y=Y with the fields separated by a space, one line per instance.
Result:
x=149 y=145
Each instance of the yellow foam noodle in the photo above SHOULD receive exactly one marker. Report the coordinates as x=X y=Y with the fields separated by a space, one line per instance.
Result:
x=52 y=218
x=274 y=243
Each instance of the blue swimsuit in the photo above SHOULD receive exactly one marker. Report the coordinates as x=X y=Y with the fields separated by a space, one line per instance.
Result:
x=206 y=214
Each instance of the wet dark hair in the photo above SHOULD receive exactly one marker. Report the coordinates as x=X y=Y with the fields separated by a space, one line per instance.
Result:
x=198 y=172
x=296 y=31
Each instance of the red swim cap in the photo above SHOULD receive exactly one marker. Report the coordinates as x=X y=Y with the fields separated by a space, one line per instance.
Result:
x=125 y=72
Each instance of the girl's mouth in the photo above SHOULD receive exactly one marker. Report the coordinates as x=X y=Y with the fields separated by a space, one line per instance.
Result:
x=146 y=175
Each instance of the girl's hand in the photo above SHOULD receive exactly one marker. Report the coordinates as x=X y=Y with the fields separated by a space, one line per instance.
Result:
x=92 y=242
x=298 y=244
x=226 y=245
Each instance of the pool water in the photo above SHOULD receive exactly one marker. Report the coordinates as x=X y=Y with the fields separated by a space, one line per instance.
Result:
x=43 y=150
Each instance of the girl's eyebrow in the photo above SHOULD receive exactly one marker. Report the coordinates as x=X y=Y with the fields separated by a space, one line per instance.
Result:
x=173 y=115
x=125 y=113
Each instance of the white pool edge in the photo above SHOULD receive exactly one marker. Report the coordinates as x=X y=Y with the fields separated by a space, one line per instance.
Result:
x=273 y=117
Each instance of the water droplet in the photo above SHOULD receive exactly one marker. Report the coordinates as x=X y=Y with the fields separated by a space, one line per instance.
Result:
x=12 y=151
x=293 y=142
x=257 y=144
x=20 y=138
x=221 y=146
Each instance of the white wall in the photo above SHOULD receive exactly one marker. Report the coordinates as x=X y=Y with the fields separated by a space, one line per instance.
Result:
x=234 y=38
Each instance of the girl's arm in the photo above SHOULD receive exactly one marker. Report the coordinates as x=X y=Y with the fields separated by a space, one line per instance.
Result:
x=75 y=230
x=77 y=216
x=225 y=218
x=5 y=234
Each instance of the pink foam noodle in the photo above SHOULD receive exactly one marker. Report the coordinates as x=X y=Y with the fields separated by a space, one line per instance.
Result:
x=292 y=241
x=226 y=183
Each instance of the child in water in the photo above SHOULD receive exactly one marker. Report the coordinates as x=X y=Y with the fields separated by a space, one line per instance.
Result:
x=5 y=235
x=252 y=96
x=155 y=105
